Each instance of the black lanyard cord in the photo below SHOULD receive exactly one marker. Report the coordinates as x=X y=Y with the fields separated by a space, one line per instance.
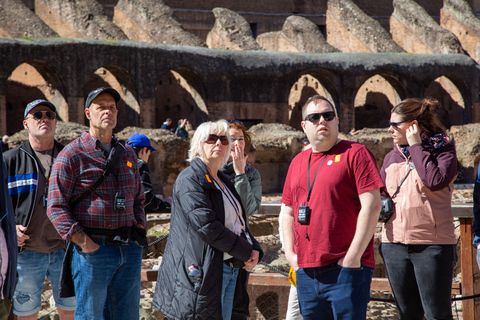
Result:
x=310 y=187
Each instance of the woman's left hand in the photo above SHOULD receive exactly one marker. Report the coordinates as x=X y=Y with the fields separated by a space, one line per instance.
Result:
x=252 y=262
x=413 y=134
x=239 y=159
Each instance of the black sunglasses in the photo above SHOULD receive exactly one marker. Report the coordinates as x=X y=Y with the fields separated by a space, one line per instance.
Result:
x=394 y=125
x=213 y=138
x=38 y=115
x=315 y=117
x=235 y=121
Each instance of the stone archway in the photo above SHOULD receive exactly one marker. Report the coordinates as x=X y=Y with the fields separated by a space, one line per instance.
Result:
x=120 y=80
x=29 y=81
x=305 y=87
x=180 y=94
x=373 y=102
x=452 y=104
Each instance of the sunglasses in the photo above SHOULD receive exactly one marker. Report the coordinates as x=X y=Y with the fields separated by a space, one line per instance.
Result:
x=394 y=125
x=235 y=121
x=315 y=117
x=213 y=138
x=39 y=115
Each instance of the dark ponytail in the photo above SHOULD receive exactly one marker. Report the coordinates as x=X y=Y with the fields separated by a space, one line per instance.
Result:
x=424 y=111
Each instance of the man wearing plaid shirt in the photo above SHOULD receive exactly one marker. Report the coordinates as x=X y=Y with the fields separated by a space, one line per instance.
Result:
x=107 y=226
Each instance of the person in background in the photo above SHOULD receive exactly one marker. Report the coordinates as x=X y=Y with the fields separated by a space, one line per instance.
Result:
x=8 y=245
x=418 y=241
x=5 y=143
x=181 y=129
x=209 y=238
x=293 y=308
x=248 y=184
x=166 y=125
x=143 y=148
x=106 y=228
x=332 y=204
x=41 y=248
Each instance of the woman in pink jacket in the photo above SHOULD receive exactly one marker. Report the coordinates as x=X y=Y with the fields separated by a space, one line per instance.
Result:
x=418 y=242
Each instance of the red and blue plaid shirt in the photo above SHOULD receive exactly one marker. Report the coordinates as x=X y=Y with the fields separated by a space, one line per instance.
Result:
x=78 y=167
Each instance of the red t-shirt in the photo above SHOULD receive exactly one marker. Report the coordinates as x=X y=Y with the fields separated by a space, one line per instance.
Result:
x=347 y=171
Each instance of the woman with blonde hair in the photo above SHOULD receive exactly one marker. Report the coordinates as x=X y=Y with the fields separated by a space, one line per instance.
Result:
x=418 y=241
x=209 y=239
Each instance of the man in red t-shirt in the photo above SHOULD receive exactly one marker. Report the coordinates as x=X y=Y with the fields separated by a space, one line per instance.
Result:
x=332 y=198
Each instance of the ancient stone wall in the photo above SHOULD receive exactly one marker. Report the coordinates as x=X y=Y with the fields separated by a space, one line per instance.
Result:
x=297 y=35
x=151 y=21
x=351 y=30
x=231 y=31
x=457 y=17
x=416 y=31
x=18 y=21
x=248 y=85
x=78 y=19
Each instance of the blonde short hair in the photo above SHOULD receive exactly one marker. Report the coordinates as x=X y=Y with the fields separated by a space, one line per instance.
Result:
x=219 y=128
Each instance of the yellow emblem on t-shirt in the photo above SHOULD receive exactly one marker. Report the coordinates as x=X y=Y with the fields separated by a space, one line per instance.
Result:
x=337 y=158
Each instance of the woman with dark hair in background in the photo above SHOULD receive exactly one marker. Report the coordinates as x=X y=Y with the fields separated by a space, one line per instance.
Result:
x=248 y=185
x=418 y=242
x=209 y=239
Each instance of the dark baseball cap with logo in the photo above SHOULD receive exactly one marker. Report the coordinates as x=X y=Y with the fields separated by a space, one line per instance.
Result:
x=36 y=103
x=95 y=93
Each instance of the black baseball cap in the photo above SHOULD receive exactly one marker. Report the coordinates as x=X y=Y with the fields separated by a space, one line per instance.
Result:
x=36 y=103
x=92 y=95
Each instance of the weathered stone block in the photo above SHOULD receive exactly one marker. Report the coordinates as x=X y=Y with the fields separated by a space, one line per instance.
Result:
x=78 y=19
x=297 y=35
x=152 y=21
x=18 y=21
x=231 y=31
x=457 y=16
x=416 y=31
x=351 y=30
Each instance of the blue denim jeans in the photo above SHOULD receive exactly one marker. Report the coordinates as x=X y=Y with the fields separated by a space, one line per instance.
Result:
x=107 y=282
x=228 y=290
x=421 y=278
x=333 y=292
x=32 y=267
x=478 y=257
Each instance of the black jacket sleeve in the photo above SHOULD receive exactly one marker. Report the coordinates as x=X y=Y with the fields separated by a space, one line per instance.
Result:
x=153 y=204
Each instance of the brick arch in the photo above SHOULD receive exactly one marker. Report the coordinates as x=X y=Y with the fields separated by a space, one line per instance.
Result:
x=129 y=111
x=375 y=98
x=31 y=80
x=452 y=103
x=180 y=93
x=306 y=85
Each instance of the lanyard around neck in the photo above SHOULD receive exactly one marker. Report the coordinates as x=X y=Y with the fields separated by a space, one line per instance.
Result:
x=310 y=187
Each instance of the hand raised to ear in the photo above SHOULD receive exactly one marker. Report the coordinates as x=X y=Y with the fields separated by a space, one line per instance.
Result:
x=413 y=134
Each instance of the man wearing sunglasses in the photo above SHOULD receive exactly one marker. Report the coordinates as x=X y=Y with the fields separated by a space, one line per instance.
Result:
x=41 y=248
x=332 y=203
x=106 y=227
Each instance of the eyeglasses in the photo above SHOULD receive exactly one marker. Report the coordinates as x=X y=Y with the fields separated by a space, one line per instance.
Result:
x=235 y=121
x=315 y=117
x=394 y=125
x=38 y=115
x=213 y=138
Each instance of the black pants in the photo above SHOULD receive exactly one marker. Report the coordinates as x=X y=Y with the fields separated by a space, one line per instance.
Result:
x=421 y=279
x=241 y=300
